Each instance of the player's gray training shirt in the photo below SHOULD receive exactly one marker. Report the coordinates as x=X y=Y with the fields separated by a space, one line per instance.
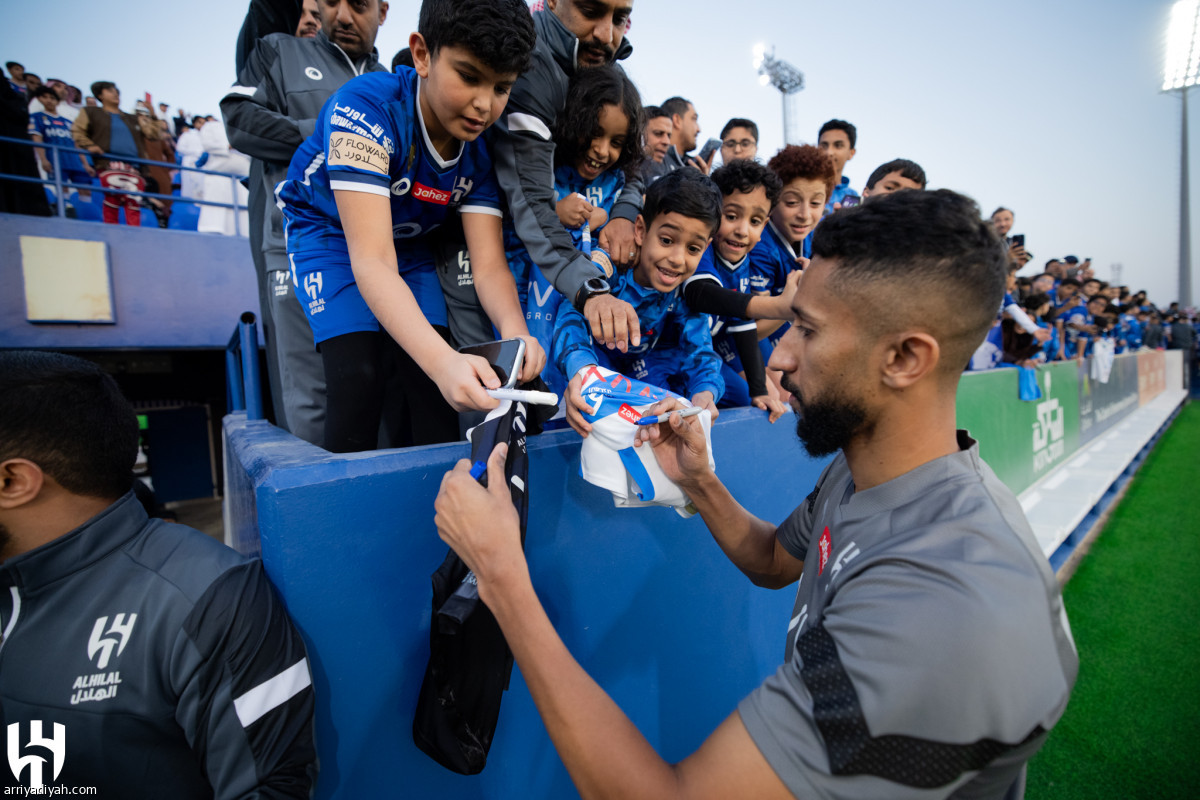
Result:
x=928 y=652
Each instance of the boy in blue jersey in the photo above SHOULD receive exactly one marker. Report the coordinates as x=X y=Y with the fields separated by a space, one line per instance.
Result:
x=721 y=285
x=391 y=157
x=47 y=126
x=679 y=217
x=808 y=177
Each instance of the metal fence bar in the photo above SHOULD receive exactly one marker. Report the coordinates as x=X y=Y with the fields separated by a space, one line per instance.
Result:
x=249 y=331
x=59 y=184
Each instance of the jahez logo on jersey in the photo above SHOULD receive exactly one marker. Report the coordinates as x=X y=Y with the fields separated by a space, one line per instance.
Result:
x=629 y=413
x=429 y=195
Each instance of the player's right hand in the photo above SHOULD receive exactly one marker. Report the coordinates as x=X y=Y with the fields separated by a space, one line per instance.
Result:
x=462 y=380
x=678 y=444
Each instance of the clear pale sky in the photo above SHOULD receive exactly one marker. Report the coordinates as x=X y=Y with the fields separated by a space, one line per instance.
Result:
x=1052 y=109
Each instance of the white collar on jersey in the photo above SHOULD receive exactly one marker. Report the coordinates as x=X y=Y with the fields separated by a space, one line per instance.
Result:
x=433 y=153
x=783 y=239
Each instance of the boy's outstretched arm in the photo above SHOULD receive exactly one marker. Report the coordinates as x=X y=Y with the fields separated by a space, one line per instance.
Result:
x=572 y=349
x=604 y=753
x=367 y=222
x=496 y=288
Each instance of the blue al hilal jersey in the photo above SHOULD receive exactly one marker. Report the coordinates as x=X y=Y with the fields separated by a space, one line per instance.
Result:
x=735 y=277
x=371 y=137
x=773 y=259
x=53 y=130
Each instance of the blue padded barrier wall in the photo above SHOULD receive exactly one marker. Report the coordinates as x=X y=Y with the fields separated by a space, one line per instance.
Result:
x=644 y=599
x=171 y=289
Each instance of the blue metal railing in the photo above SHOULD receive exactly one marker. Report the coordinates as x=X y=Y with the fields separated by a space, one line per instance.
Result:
x=243 y=387
x=58 y=150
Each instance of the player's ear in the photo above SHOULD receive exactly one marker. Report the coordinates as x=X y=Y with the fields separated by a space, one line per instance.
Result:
x=909 y=357
x=383 y=9
x=420 y=54
x=21 y=481
x=639 y=230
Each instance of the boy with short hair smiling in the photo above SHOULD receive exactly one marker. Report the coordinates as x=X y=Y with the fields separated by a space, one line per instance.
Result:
x=391 y=157
x=680 y=215
x=721 y=285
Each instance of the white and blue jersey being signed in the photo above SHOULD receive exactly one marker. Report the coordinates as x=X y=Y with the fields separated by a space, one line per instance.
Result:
x=371 y=137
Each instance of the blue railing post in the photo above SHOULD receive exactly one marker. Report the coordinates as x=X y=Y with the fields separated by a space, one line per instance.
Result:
x=234 y=395
x=233 y=196
x=254 y=408
x=58 y=184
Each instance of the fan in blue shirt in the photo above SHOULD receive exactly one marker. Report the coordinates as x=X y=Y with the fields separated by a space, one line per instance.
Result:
x=808 y=179
x=47 y=126
x=680 y=215
x=391 y=157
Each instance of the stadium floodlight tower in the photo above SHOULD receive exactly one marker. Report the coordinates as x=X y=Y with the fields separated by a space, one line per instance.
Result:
x=780 y=74
x=1181 y=72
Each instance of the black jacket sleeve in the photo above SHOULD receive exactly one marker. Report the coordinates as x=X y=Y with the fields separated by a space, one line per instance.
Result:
x=253 y=110
x=710 y=297
x=746 y=343
x=263 y=18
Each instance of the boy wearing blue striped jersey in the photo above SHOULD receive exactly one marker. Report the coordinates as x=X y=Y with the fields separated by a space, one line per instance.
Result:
x=721 y=285
x=391 y=157
x=808 y=177
x=681 y=212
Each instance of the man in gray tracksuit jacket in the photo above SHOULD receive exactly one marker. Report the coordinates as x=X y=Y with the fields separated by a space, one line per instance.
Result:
x=268 y=113
x=523 y=152
x=141 y=658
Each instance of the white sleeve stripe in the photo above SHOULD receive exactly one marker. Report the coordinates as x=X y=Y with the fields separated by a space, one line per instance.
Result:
x=248 y=91
x=702 y=276
x=272 y=693
x=528 y=122
x=495 y=212
x=353 y=186
x=747 y=327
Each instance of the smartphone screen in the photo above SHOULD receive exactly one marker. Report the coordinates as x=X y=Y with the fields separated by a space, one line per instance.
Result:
x=1018 y=239
x=505 y=356
x=709 y=148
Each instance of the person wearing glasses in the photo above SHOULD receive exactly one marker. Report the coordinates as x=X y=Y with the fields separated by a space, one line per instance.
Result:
x=739 y=139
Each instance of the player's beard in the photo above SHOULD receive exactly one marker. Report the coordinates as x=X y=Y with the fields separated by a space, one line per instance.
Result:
x=827 y=423
x=5 y=541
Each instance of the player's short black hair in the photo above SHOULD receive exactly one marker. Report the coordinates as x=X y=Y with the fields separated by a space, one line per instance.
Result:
x=67 y=416
x=921 y=259
x=498 y=32
x=1070 y=282
x=8 y=65
x=589 y=91
x=403 y=58
x=43 y=90
x=740 y=122
x=840 y=125
x=653 y=112
x=1035 y=301
x=676 y=105
x=1001 y=208
x=744 y=175
x=907 y=169
x=685 y=192
x=100 y=86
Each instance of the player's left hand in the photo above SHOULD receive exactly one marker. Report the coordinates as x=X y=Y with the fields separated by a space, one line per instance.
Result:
x=616 y=238
x=481 y=525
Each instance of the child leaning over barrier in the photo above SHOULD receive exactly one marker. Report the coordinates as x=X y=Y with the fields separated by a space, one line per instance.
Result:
x=391 y=157
x=597 y=146
x=680 y=215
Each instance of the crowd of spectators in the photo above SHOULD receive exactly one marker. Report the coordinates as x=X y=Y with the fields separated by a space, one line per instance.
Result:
x=96 y=141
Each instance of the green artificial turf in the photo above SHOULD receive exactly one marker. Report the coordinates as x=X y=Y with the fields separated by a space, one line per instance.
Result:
x=1132 y=728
